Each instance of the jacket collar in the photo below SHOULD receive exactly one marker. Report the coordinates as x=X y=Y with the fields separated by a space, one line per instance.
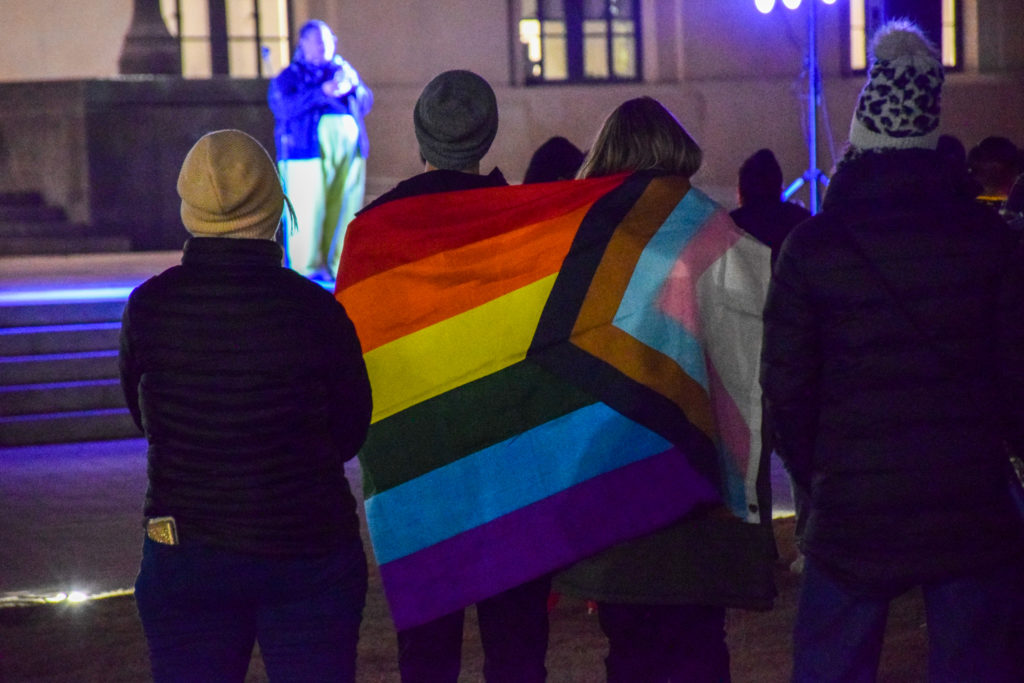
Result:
x=905 y=177
x=229 y=251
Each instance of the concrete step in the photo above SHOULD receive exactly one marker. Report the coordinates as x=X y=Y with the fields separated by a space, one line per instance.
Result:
x=58 y=367
x=84 y=425
x=31 y=212
x=50 y=245
x=52 y=339
x=41 y=226
x=21 y=199
x=60 y=312
x=58 y=397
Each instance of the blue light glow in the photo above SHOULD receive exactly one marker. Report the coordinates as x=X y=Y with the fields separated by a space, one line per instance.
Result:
x=79 y=294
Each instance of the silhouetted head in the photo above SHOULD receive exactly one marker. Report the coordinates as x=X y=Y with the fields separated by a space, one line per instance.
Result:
x=760 y=178
x=993 y=162
x=556 y=159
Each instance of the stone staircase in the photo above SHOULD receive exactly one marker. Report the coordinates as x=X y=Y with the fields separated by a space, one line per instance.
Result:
x=58 y=373
x=28 y=225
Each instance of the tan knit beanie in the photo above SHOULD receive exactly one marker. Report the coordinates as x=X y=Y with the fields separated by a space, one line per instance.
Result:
x=229 y=188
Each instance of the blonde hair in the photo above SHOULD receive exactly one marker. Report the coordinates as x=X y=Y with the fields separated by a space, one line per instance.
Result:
x=642 y=135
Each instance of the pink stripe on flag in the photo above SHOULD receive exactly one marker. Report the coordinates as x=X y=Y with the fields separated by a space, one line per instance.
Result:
x=679 y=299
x=732 y=426
x=553 y=533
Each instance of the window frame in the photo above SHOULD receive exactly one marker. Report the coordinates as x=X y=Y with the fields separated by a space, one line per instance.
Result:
x=872 y=19
x=218 y=40
x=575 y=39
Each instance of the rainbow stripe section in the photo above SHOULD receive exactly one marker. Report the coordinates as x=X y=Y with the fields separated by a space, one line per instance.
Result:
x=541 y=387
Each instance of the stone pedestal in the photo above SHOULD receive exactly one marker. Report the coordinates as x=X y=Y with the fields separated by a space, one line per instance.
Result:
x=108 y=151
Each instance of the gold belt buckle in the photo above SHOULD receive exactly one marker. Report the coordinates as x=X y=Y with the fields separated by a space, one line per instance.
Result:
x=162 y=530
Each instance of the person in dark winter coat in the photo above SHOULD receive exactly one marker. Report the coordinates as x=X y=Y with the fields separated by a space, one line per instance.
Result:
x=893 y=373
x=249 y=384
x=319 y=102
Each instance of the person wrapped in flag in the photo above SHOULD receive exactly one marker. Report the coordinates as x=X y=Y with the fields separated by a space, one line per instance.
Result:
x=456 y=120
x=689 y=288
x=560 y=370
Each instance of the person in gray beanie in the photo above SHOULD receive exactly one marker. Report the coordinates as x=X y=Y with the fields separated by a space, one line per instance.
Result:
x=456 y=119
x=893 y=376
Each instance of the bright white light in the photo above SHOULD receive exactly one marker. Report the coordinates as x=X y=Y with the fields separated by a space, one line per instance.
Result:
x=829 y=2
x=791 y=4
x=764 y=6
x=77 y=596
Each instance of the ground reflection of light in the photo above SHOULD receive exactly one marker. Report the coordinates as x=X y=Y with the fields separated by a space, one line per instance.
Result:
x=25 y=599
x=79 y=294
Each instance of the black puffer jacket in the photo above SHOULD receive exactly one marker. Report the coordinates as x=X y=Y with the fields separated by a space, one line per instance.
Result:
x=249 y=384
x=895 y=426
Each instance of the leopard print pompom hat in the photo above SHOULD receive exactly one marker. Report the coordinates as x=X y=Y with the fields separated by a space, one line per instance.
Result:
x=899 y=105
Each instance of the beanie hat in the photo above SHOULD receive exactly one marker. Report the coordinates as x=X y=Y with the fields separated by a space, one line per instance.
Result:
x=229 y=188
x=456 y=118
x=760 y=178
x=899 y=106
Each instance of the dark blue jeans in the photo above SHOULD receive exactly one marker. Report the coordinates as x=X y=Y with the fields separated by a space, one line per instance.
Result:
x=660 y=643
x=974 y=627
x=513 y=634
x=203 y=608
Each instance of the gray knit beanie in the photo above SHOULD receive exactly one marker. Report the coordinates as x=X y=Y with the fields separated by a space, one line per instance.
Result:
x=456 y=119
x=899 y=105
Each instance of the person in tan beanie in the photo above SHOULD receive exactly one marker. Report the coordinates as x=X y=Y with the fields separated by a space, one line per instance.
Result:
x=248 y=382
x=229 y=188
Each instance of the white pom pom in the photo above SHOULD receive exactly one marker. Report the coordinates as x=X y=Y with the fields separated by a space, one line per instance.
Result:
x=901 y=38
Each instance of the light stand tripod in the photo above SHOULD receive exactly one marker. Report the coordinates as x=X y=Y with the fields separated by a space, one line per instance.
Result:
x=813 y=175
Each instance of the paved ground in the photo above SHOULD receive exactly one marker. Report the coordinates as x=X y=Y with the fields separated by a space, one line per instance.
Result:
x=70 y=513
x=70 y=516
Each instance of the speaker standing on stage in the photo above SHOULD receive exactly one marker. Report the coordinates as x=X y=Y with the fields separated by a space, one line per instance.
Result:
x=319 y=103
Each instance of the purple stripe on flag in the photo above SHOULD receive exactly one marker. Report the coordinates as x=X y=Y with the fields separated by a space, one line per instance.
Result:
x=616 y=506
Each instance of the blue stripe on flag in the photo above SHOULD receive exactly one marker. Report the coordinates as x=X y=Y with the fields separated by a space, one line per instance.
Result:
x=638 y=314
x=505 y=477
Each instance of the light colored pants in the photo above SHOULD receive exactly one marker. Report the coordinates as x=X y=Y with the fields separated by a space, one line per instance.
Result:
x=325 y=193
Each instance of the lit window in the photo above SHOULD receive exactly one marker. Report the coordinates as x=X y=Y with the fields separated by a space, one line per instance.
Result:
x=579 y=40
x=241 y=38
x=937 y=18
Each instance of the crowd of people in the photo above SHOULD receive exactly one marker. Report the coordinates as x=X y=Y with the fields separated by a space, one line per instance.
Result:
x=876 y=347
